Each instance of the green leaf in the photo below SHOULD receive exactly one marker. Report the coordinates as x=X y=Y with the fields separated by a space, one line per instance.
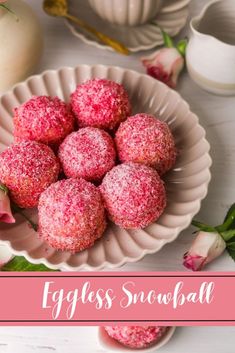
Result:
x=4 y=188
x=20 y=264
x=231 y=240
x=9 y=10
x=229 y=221
x=168 y=41
x=204 y=227
x=231 y=245
x=181 y=46
x=228 y=235
x=231 y=250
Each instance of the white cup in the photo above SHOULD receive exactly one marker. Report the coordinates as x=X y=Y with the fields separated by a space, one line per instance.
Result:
x=126 y=12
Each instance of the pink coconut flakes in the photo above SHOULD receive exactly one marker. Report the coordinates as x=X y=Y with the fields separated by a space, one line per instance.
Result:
x=136 y=336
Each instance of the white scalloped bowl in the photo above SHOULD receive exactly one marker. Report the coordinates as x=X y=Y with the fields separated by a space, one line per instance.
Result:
x=111 y=345
x=186 y=184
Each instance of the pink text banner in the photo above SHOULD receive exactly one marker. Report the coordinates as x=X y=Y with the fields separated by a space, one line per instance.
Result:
x=156 y=298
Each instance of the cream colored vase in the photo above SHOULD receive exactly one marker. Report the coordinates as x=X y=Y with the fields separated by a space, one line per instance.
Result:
x=20 y=43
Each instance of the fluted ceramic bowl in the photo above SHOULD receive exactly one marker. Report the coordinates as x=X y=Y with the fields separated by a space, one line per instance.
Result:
x=186 y=184
x=126 y=12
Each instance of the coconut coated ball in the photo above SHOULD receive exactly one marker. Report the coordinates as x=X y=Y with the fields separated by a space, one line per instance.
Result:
x=134 y=195
x=43 y=119
x=27 y=169
x=88 y=153
x=100 y=103
x=136 y=337
x=144 y=139
x=71 y=215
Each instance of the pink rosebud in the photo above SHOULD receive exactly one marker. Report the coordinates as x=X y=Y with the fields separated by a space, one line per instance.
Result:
x=165 y=65
x=205 y=248
x=5 y=208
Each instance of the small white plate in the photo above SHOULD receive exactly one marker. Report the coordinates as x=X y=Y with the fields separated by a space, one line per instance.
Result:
x=172 y=18
x=112 y=345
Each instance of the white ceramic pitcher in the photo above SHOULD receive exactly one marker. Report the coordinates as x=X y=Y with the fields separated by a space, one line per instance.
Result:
x=210 y=53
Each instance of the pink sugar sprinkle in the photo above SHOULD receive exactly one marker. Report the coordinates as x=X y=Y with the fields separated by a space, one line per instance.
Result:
x=88 y=153
x=43 y=119
x=27 y=169
x=134 y=195
x=136 y=336
x=100 y=103
x=71 y=215
x=144 y=139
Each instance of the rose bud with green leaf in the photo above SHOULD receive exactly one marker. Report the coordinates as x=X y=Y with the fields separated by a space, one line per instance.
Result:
x=167 y=63
x=211 y=242
x=205 y=248
x=5 y=207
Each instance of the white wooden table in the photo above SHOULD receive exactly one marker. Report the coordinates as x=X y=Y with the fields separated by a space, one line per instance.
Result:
x=218 y=118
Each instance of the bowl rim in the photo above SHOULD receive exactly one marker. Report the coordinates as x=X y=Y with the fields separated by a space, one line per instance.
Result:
x=63 y=266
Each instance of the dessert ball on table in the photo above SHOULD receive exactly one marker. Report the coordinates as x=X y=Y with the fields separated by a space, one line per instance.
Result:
x=136 y=337
x=100 y=103
x=144 y=139
x=134 y=195
x=43 y=119
x=27 y=169
x=71 y=215
x=88 y=153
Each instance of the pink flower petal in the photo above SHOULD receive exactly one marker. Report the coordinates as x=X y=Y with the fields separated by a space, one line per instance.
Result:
x=194 y=263
x=5 y=208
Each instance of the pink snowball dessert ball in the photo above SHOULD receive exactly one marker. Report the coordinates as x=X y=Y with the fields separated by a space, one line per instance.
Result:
x=144 y=139
x=88 y=153
x=43 y=119
x=27 y=169
x=136 y=337
x=134 y=195
x=71 y=215
x=100 y=103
